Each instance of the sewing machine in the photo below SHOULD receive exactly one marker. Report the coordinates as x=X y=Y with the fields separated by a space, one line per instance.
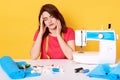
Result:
x=107 y=46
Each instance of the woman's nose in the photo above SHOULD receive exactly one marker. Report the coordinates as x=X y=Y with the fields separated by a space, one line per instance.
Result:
x=49 y=20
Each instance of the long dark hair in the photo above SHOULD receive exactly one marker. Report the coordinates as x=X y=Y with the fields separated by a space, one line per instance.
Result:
x=53 y=11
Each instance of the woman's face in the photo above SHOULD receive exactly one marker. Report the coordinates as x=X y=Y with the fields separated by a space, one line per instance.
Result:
x=50 y=21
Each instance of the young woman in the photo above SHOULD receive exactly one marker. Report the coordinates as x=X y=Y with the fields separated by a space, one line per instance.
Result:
x=52 y=40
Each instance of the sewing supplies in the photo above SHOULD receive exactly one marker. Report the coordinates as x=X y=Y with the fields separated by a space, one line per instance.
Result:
x=85 y=71
x=78 y=69
x=24 y=66
x=47 y=69
x=81 y=70
x=16 y=70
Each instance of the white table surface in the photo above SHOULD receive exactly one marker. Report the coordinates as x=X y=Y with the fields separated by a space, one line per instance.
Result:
x=67 y=65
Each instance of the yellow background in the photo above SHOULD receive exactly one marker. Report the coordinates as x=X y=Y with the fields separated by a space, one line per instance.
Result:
x=19 y=21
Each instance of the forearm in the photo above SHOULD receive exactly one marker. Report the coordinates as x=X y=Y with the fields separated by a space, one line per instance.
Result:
x=36 y=48
x=67 y=50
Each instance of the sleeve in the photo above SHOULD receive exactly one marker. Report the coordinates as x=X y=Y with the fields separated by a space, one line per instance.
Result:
x=70 y=34
x=35 y=35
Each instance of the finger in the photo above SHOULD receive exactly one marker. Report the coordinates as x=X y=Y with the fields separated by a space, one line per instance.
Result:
x=41 y=20
x=58 y=24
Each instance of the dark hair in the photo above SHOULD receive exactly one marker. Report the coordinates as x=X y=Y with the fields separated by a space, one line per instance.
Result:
x=53 y=11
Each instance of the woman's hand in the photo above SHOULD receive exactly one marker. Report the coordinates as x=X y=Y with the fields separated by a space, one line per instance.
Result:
x=42 y=26
x=59 y=27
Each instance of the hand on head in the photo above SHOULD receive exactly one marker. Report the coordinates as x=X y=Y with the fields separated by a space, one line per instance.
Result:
x=59 y=27
x=42 y=26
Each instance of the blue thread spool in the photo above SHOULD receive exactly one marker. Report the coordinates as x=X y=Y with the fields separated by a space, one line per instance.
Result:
x=55 y=69
x=85 y=71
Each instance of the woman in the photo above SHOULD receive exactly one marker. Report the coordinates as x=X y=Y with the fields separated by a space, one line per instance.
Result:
x=52 y=40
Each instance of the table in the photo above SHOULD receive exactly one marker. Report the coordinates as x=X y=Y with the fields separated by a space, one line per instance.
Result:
x=67 y=65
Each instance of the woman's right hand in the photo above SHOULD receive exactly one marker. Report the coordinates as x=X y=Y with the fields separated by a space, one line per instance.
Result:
x=42 y=26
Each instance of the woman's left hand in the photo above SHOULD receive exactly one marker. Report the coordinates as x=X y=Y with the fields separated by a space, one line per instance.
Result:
x=59 y=27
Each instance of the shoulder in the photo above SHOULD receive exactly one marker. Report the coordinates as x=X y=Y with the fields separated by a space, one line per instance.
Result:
x=69 y=34
x=69 y=30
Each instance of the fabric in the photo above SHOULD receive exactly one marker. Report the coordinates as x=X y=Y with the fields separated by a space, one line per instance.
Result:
x=54 y=50
x=101 y=71
x=106 y=72
x=115 y=73
x=11 y=68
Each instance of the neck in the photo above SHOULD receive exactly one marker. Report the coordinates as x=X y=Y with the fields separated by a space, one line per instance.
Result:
x=52 y=32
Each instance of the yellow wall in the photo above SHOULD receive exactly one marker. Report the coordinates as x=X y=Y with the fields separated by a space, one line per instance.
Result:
x=19 y=20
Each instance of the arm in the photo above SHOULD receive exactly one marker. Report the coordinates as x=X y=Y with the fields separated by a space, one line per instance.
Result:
x=36 y=48
x=68 y=47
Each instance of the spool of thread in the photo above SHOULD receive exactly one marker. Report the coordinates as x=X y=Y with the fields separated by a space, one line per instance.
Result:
x=81 y=70
x=109 y=26
x=78 y=69
x=85 y=71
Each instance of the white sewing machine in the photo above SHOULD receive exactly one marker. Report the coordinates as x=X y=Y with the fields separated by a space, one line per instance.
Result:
x=107 y=46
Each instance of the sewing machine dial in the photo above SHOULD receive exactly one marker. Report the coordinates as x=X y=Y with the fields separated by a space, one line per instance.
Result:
x=100 y=36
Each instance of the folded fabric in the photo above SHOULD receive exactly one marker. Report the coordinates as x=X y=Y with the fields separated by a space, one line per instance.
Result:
x=101 y=71
x=12 y=70
x=10 y=67
x=115 y=73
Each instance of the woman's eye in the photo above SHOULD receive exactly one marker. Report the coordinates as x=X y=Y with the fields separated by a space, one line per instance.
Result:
x=45 y=19
x=51 y=16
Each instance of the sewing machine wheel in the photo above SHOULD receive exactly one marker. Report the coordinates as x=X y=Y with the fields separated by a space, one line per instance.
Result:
x=100 y=36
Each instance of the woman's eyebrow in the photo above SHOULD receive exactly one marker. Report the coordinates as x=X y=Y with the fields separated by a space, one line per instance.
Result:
x=44 y=18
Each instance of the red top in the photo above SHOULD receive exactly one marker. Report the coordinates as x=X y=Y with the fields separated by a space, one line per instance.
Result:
x=54 y=50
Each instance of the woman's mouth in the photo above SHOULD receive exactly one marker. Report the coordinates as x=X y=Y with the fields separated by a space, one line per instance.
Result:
x=51 y=24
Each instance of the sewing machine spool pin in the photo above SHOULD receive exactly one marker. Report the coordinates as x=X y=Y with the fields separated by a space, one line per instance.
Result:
x=109 y=26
